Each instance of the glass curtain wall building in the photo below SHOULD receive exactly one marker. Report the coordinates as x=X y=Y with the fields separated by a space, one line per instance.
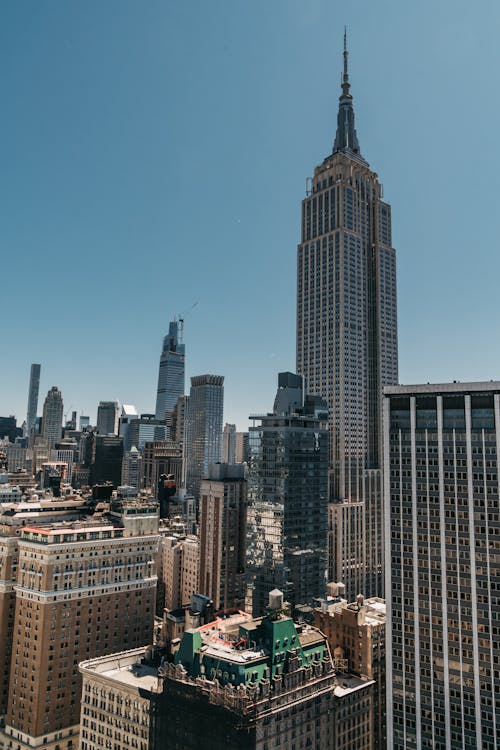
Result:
x=287 y=497
x=204 y=428
x=347 y=332
x=171 y=371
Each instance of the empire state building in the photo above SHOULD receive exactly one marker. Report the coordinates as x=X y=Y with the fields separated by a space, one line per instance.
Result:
x=347 y=341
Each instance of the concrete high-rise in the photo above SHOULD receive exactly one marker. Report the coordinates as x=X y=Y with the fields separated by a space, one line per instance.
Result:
x=52 y=417
x=442 y=523
x=107 y=417
x=33 y=398
x=171 y=371
x=223 y=526
x=347 y=327
x=203 y=428
x=288 y=497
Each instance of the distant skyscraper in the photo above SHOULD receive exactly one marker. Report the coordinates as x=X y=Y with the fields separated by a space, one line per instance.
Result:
x=84 y=422
x=171 y=372
x=347 y=328
x=33 y=398
x=241 y=452
x=229 y=444
x=204 y=428
x=288 y=496
x=52 y=417
x=107 y=418
x=442 y=525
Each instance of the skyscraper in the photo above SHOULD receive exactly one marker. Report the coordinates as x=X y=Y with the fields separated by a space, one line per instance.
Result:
x=107 y=418
x=442 y=521
x=287 y=497
x=204 y=428
x=347 y=327
x=171 y=372
x=52 y=417
x=33 y=398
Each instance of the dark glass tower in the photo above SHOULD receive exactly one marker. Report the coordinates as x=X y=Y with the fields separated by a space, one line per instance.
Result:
x=347 y=338
x=171 y=372
x=287 y=497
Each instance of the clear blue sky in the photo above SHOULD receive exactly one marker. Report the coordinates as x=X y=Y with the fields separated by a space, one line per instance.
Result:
x=154 y=154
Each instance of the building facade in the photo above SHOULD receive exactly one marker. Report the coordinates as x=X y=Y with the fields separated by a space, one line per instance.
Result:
x=171 y=371
x=117 y=693
x=204 y=428
x=84 y=589
x=443 y=565
x=52 y=417
x=223 y=527
x=356 y=636
x=288 y=497
x=346 y=324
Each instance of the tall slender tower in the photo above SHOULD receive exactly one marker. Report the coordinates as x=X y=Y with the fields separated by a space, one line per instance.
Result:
x=171 y=372
x=347 y=340
x=33 y=398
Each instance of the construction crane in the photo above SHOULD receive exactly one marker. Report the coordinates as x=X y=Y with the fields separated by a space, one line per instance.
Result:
x=181 y=320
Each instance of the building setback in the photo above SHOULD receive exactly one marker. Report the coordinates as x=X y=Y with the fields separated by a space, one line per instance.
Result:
x=347 y=331
x=442 y=524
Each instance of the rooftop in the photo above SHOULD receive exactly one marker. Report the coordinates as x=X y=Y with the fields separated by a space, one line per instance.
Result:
x=126 y=668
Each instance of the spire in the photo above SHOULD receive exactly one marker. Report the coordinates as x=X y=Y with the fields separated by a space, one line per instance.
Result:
x=346 y=138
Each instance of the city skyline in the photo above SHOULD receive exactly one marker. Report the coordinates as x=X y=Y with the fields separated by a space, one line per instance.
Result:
x=412 y=114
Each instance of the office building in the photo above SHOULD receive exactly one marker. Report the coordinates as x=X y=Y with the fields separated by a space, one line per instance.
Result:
x=107 y=466
x=356 y=636
x=288 y=497
x=204 y=428
x=132 y=468
x=442 y=523
x=223 y=527
x=347 y=327
x=171 y=371
x=229 y=444
x=52 y=417
x=34 y=387
x=84 y=589
x=107 y=417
